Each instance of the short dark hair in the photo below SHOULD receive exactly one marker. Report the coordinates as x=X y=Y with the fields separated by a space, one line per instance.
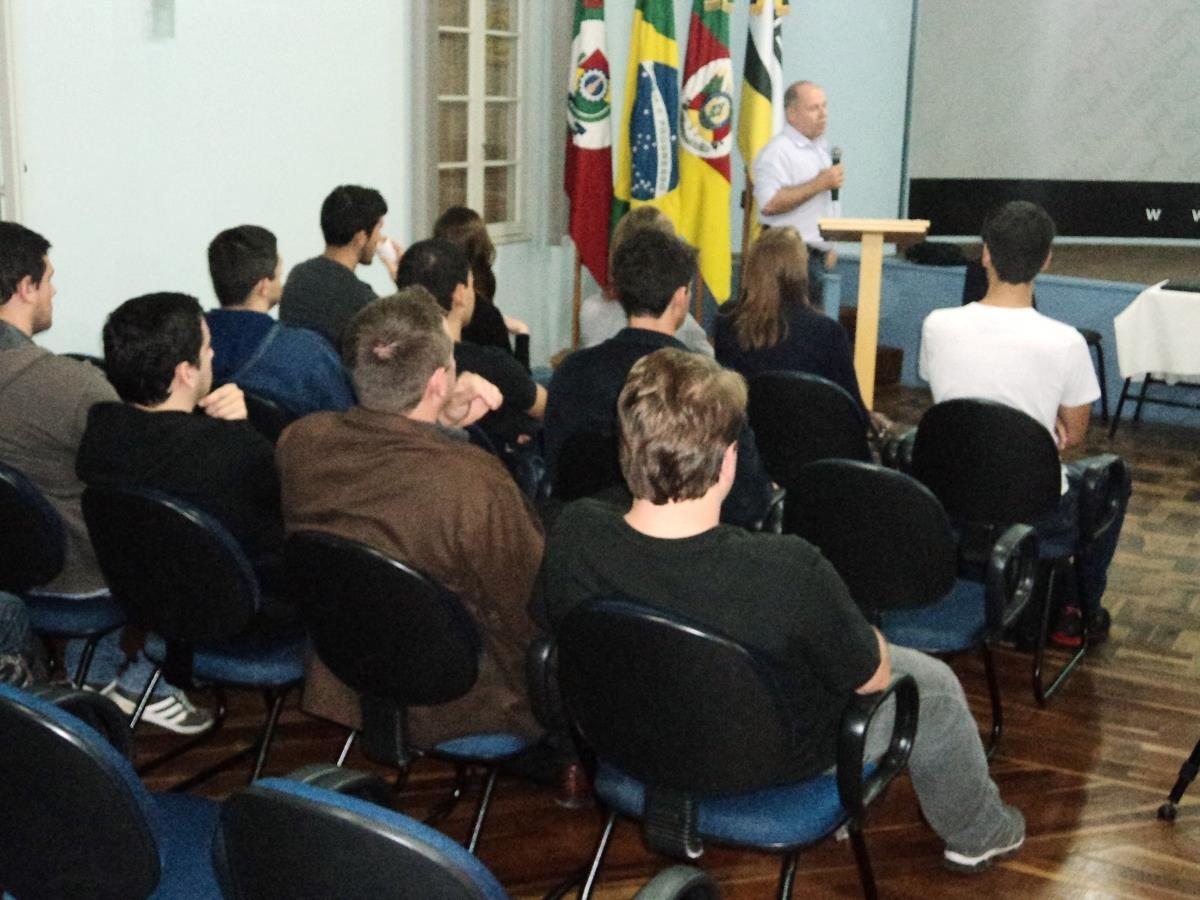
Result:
x=437 y=265
x=238 y=259
x=678 y=412
x=146 y=338
x=1018 y=236
x=393 y=346
x=22 y=252
x=348 y=210
x=648 y=269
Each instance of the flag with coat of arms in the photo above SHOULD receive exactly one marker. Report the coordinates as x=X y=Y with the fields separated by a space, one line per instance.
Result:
x=648 y=154
x=706 y=138
x=588 y=169
x=760 y=116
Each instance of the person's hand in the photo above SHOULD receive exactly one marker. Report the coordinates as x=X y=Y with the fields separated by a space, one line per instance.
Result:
x=389 y=252
x=834 y=176
x=226 y=402
x=515 y=326
x=473 y=397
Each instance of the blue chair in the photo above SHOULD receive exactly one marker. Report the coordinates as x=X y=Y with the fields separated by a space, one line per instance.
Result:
x=699 y=757
x=991 y=466
x=179 y=574
x=281 y=838
x=890 y=540
x=32 y=549
x=77 y=820
x=400 y=640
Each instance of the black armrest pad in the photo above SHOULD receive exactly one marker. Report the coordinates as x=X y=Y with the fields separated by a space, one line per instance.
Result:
x=1011 y=574
x=542 y=681
x=857 y=792
x=94 y=709
x=344 y=781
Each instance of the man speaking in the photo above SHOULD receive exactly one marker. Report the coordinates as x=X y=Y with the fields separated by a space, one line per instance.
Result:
x=796 y=179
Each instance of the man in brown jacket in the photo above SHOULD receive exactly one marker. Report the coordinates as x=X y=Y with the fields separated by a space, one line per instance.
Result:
x=397 y=473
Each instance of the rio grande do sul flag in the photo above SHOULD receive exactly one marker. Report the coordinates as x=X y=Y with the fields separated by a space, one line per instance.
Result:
x=760 y=113
x=648 y=153
x=706 y=139
x=587 y=175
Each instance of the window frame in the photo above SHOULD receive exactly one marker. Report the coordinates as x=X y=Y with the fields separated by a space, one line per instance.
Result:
x=10 y=183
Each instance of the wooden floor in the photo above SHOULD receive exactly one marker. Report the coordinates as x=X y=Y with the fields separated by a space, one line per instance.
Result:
x=1088 y=772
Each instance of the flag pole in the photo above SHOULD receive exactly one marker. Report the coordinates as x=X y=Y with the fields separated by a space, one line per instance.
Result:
x=576 y=299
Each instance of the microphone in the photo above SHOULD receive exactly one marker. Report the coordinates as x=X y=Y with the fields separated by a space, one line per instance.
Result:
x=836 y=155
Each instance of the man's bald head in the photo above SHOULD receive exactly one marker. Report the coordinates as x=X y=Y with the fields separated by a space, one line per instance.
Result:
x=804 y=106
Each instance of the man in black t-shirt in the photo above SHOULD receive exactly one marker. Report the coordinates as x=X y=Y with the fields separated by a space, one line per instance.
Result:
x=680 y=415
x=443 y=269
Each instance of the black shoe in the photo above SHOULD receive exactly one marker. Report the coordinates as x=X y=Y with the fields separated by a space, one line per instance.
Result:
x=1098 y=625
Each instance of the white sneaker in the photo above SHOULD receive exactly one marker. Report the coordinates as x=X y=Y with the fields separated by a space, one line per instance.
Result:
x=173 y=712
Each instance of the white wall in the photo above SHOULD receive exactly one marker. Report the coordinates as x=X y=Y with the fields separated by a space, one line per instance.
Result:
x=136 y=151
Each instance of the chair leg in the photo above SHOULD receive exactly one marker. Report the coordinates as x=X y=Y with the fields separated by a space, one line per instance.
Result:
x=341 y=760
x=485 y=800
x=144 y=700
x=275 y=705
x=589 y=883
x=1187 y=774
x=787 y=876
x=1116 y=419
x=1041 y=691
x=85 y=659
x=989 y=668
x=865 y=874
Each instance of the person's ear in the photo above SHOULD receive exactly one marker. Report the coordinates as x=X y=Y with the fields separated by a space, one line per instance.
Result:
x=1049 y=258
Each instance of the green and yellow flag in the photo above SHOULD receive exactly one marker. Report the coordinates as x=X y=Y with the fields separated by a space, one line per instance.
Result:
x=760 y=116
x=706 y=133
x=647 y=154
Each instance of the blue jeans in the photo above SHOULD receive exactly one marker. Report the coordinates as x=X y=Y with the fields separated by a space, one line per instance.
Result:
x=14 y=624
x=1059 y=535
x=109 y=664
x=948 y=766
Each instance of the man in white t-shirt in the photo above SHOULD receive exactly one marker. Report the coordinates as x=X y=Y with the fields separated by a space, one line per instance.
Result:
x=1003 y=349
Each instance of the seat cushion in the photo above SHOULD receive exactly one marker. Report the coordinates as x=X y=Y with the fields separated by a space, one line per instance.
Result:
x=788 y=816
x=185 y=829
x=73 y=616
x=255 y=660
x=482 y=747
x=956 y=622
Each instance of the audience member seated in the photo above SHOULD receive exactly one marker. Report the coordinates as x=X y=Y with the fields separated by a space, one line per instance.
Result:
x=159 y=357
x=601 y=315
x=323 y=293
x=294 y=367
x=443 y=269
x=772 y=326
x=397 y=473
x=679 y=416
x=652 y=275
x=1004 y=350
x=488 y=327
x=21 y=663
x=44 y=404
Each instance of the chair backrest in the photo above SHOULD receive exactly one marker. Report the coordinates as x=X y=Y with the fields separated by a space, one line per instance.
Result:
x=32 y=538
x=268 y=417
x=587 y=464
x=798 y=418
x=884 y=532
x=281 y=839
x=673 y=704
x=987 y=462
x=381 y=627
x=76 y=820
x=173 y=567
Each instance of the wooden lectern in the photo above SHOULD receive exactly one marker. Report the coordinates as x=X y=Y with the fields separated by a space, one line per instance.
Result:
x=873 y=233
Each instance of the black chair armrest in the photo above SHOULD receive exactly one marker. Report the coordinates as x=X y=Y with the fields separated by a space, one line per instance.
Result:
x=1106 y=483
x=679 y=883
x=93 y=709
x=896 y=450
x=350 y=782
x=541 y=679
x=1010 y=577
x=772 y=520
x=857 y=792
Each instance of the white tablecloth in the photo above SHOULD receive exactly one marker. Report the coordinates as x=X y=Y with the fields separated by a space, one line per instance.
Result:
x=1159 y=333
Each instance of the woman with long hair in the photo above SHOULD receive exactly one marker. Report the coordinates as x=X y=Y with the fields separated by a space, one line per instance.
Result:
x=488 y=326
x=773 y=327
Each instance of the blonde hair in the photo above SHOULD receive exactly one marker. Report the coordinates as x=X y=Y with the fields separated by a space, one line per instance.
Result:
x=678 y=412
x=774 y=275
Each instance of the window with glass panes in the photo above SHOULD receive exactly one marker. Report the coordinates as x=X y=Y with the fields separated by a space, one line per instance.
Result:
x=479 y=110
